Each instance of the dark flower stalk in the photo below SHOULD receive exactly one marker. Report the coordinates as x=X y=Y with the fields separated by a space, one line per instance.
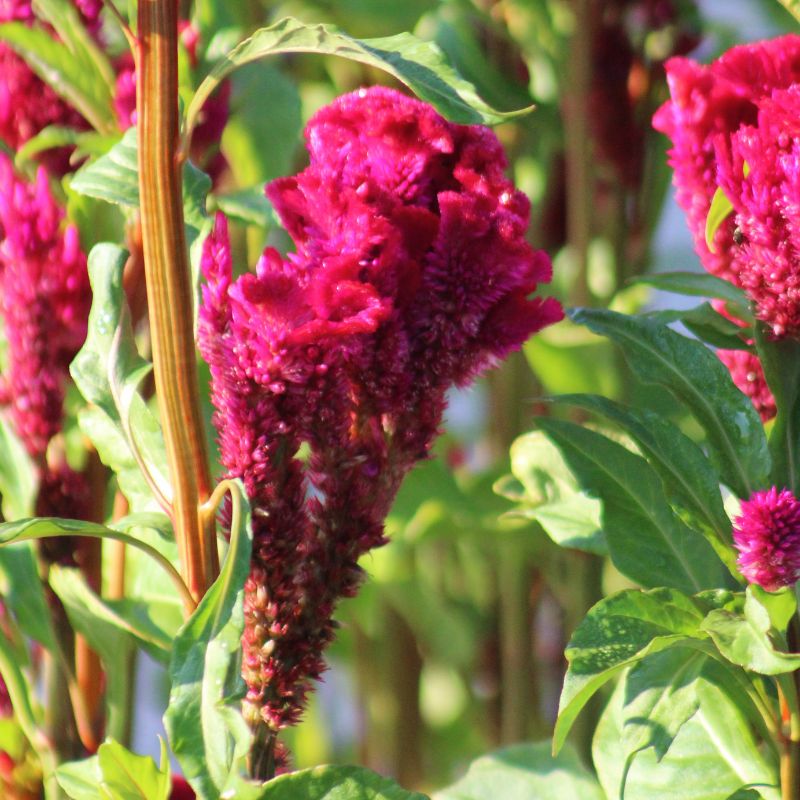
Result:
x=411 y=274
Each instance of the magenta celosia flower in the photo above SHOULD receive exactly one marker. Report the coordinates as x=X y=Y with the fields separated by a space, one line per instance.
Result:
x=748 y=375
x=28 y=104
x=742 y=109
x=44 y=303
x=411 y=274
x=767 y=535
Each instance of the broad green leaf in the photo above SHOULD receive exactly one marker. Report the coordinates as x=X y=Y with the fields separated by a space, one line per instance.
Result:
x=44 y=527
x=699 y=284
x=745 y=640
x=18 y=481
x=646 y=540
x=781 y=605
x=621 y=630
x=523 y=772
x=793 y=7
x=206 y=730
x=707 y=325
x=551 y=495
x=23 y=593
x=660 y=697
x=721 y=208
x=781 y=362
x=127 y=776
x=418 y=64
x=88 y=616
x=735 y=436
x=68 y=74
x=249 y=206
x=263 y=134
x=107 y=371
x=713 y=755
x=690 y=481
x=114 y=178
x=335 y=783
x=82 y=780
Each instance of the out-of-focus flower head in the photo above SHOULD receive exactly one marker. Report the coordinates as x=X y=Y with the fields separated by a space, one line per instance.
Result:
x=28 y=104
x=44 y=303
x=733 y=125
x=748 y=375
x=767 y=535
x=411 y=274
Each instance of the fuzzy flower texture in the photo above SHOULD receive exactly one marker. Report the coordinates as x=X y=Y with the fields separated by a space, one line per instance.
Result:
x=411 y=274
x=734 y=125
x=767 y=535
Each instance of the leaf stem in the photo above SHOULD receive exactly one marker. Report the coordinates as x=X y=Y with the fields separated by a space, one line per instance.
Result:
x=169 y=292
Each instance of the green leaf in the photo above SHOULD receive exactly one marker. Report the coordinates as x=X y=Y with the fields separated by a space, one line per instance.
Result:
x=793 y=7
x=88 y=616
x=707 y=325
x=127 y=776
x=418 y=64
x=107 y=371
x=712 y=756
x=745 y=640
x=206 y=730
x=721 y=208
x=114 y=178
x=525 y=771
x=690 y=481
x=646 y=540
x=44 y=527
x=780 y=605
x=81 y=780
x=18 y=481
x=660 y=697
x=700 y=284
x=621 y=630
x=735 y=436
x=263 y=133
x=249 y=206
x=68 y=73
x=781 y=362
x=552 y=497
x=335 y=783
x=23 y=593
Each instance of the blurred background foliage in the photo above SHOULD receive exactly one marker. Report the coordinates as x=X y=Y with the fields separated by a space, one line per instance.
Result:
x=454 y=646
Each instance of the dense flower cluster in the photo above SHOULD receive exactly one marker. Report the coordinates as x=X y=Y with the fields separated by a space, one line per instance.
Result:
x=748 y=375
x=767 y=535
x=733 y=125
x=27 y=104
x=44 y=302
x=411 y=274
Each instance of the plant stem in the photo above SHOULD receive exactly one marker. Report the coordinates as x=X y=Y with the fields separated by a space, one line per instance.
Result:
x=169 y=291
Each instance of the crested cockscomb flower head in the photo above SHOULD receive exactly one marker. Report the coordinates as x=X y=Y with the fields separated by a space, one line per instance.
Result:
x=767 y=535
x=733 y=126
x=44 y=303
x=411 y=274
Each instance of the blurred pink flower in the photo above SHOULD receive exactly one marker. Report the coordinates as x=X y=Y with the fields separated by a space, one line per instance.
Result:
x=748 y=375
x=44 y=303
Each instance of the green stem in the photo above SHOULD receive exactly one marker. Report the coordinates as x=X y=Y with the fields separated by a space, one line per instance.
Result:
x=169 y=292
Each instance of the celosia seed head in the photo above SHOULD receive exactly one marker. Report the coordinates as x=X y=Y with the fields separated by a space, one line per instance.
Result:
x=767 y=535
